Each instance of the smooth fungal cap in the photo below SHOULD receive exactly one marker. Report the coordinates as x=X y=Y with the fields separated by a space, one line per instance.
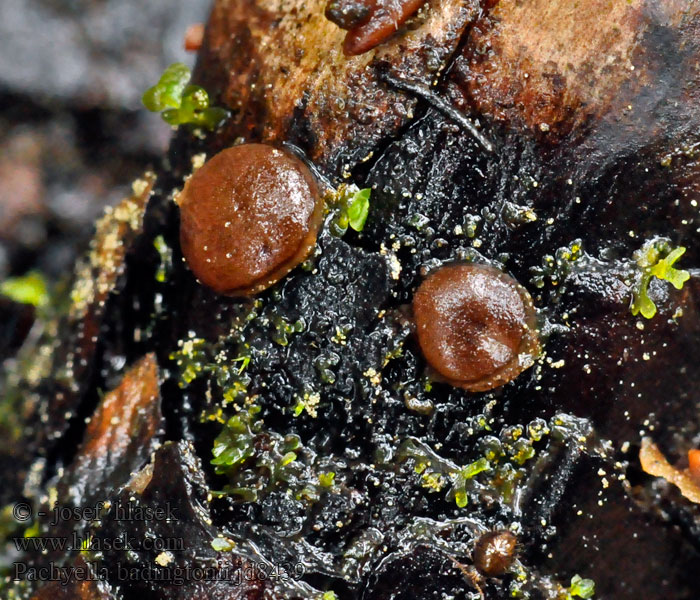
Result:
x=248 y=216
x=475 y=326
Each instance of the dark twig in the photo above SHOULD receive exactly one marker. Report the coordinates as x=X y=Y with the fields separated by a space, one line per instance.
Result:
x=424 y=92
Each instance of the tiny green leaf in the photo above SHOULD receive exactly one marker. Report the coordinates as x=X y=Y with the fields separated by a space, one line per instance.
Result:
x=181 y=103
x=29 y=289
x=229 y=456
x=234 y=445
x=358 y=209
x=329 y=595
x=244 y=494
x=195 y=98
x=641 y=303
x=475 y=468
x=583 y=588
x=167 y=93
x=652 y=265
x=172 y=116
x=291 y=442
x=326 y=479
x=288 y=458
x=244 y=360
x=460 y=477
x=461 y=497
x=664 y=269
x=33 y=530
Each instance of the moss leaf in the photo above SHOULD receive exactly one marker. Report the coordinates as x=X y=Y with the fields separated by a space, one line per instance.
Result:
x=358 y=209
x=168 y=92
x=29 y=289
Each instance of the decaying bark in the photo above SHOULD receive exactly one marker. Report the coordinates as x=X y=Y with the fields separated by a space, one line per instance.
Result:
x=592 y=113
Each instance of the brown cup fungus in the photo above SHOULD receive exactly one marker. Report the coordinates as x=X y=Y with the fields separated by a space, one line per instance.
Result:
x=495 y=552
x=248 y=216
x=476 y=326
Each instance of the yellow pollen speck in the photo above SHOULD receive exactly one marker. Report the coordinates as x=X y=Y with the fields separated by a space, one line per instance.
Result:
x=395 y=266
x=198 y=160
x=164 y=559
x=374 y=377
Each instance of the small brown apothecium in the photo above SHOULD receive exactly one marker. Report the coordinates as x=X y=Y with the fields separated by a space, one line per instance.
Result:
x=248 y=216
x=495 y=553
x=475 y=326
